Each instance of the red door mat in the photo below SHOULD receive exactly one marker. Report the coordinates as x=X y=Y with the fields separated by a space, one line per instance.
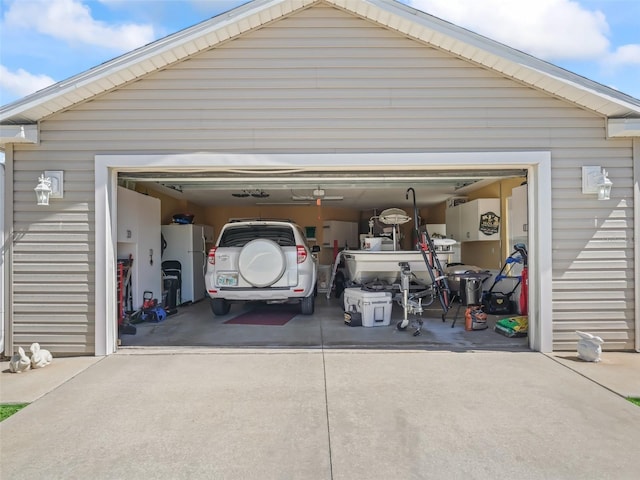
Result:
x=272 y=315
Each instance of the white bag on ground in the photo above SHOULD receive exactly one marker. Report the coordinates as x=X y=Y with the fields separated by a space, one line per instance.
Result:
x=589 y=347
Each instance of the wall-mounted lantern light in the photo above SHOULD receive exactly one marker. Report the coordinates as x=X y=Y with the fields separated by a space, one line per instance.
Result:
x=595 y=180
x=604 y=187
x=43 y=190
x=50 y=186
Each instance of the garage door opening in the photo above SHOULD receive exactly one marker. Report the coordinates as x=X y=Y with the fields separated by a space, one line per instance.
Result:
x=330 y=199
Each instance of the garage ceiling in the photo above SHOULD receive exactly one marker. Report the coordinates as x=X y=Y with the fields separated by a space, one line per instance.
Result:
x=363 y=189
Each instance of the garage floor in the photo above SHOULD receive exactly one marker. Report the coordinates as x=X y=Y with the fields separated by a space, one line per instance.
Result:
x=195 y=325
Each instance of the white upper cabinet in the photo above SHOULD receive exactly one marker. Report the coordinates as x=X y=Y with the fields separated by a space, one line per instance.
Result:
x=480 y=220
x=453 y=218
x=477 y=220
x=519 y=213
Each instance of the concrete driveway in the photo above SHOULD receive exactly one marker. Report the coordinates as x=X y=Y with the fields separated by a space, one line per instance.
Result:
x=321 y=414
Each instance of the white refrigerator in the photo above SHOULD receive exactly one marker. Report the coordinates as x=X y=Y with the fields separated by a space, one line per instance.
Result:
x=187 y=245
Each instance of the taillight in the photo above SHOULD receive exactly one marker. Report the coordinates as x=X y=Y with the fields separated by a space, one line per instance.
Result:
x=212 y=256
x=302 y=253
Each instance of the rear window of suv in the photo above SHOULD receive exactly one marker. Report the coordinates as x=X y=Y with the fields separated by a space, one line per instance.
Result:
x=240 y=235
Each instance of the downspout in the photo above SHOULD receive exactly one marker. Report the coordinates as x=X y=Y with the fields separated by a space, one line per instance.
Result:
x=6 y=227
x=2 y=267
x=636 y=235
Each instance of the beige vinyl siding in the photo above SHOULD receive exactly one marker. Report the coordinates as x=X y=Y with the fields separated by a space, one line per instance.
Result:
x=53 y=258
x=325 y=81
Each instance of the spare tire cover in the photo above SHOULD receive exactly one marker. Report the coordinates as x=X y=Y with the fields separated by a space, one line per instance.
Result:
x=262 y=262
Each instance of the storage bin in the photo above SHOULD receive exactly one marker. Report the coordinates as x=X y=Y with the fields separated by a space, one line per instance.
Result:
x=375 y=307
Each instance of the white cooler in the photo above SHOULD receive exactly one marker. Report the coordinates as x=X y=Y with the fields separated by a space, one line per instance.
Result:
x=375 y=307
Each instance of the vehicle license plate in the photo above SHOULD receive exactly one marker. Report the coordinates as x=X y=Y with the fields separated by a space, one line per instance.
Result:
x=227 y=279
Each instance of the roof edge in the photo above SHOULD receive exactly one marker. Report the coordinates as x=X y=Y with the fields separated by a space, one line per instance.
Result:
x=19 y=134
x=390 y=14
x=623 y=127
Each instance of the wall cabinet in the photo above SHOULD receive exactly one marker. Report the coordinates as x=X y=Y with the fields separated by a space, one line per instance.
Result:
x=452 y=218
x=138 y=235
x=344 y=233
x=480 y=220
x=477 y=220
x=519 y=213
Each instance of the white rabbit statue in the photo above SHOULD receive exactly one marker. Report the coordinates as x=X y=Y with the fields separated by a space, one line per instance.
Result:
x=589 y=347
x=39 y=356
x=19 y=362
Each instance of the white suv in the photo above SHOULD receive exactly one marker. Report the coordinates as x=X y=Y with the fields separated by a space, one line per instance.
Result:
x=261 y=260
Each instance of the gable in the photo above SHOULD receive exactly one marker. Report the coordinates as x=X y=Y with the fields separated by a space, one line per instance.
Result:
x=344 y=83
x=388 y=13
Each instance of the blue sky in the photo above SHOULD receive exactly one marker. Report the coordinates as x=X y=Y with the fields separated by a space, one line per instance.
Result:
x=46 y=41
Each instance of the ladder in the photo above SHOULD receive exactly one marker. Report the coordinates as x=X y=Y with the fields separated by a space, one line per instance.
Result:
x=436 y=272
x=424 y=243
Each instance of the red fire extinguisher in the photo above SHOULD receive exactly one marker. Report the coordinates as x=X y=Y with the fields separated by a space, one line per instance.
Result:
x=524 y=283
x=524 y=292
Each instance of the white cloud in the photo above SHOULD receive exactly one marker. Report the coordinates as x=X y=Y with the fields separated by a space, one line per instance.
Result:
x=625 y=55
x=21 y=82
x=71 y=21
x=548 y=29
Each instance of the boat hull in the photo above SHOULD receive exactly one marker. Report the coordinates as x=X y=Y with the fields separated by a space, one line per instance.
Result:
x=365 y=266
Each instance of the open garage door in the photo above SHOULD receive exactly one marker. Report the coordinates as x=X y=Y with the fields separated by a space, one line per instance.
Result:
x=365 y=188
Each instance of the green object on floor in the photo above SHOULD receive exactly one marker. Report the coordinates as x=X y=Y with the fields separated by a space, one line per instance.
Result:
x=513 y=326
x=8 y=409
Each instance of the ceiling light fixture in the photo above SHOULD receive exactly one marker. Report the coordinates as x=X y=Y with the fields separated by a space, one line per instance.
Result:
x=318 y=195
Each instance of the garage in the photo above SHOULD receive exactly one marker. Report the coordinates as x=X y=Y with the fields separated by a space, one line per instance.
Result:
x=281 y=108
x=318 y=198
